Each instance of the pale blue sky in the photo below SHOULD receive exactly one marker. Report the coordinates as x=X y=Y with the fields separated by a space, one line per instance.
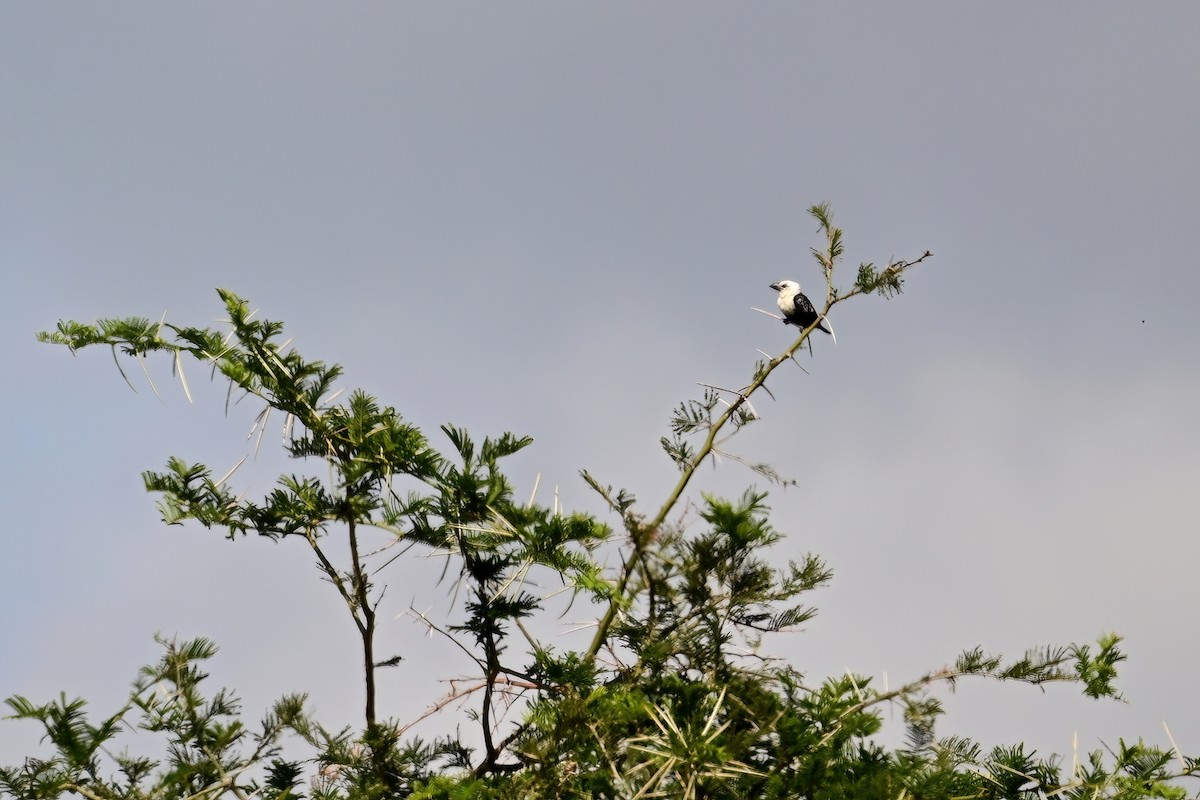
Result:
x=553 y=218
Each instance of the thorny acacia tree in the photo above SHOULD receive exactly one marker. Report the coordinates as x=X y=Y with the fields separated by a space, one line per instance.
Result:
x=669 y=699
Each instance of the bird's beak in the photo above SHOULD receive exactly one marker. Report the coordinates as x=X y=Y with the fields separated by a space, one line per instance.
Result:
x=775 y=286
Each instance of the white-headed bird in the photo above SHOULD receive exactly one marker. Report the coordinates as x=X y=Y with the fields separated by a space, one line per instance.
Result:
x=797 y=309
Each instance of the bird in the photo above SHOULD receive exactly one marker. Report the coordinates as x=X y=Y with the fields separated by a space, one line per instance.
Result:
x=796 y=307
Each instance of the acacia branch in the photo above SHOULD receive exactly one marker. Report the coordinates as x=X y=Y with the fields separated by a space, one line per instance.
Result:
x=366 y=627
x=649 y=530
x=334 y=576
x=639 y=542
x=457 y=693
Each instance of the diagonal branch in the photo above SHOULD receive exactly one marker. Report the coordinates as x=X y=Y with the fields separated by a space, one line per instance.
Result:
x=649 y=529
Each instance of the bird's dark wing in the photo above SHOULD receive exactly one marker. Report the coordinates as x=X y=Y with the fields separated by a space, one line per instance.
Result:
x=803 y=304
x=803 y=314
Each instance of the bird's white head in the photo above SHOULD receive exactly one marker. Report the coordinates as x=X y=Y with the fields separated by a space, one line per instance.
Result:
x=787 y=296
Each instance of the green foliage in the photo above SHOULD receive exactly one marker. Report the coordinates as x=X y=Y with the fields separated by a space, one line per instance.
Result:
x=672 y=698
x=209 y=749
x=886 y=282
x=834 y=247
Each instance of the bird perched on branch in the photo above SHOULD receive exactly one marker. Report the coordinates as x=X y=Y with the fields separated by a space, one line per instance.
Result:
x=796 y=307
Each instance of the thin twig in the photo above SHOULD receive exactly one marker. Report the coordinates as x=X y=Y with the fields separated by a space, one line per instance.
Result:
x=1178 y=754
x=798 y=364
x=441 y=703
x=720 y=388
x=433 y=627
x=141 y=359
x=537 y=481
